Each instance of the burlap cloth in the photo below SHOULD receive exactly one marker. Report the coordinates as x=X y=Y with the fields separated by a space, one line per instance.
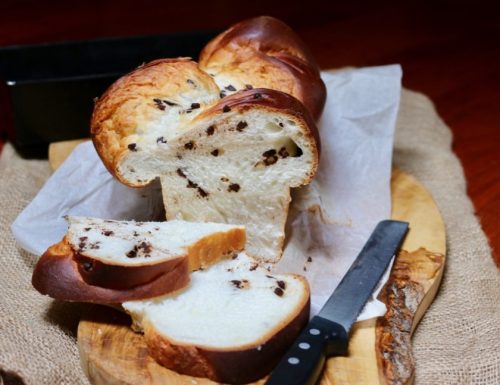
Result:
x=457 y=341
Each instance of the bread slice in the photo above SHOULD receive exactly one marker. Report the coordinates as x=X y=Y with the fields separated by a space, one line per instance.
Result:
x=232 y=161
x=106 y=261
x=232 y=324
x=263 y=52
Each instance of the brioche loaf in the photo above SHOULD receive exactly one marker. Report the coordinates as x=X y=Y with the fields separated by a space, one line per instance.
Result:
x=224 y=149
x=263 y=52
x=231 y=161
x=232 y=324
x=104 y=261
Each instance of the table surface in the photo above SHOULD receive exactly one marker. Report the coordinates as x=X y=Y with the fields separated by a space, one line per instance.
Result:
x=450 y=53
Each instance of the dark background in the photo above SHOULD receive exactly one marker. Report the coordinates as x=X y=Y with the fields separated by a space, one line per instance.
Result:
x=449 y=50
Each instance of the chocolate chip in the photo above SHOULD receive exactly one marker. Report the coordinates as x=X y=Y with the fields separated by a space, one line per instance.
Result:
x=241 y=125
x=83 y=239
x=269 y=153
x=270 y=277
x=202 y=192
x=191 y=184
x=279 y=292
x=161 y=140
x=257 y=95
x=222 y=94
x=159 y=104
x=181 y=173
x=248 y=86
x=233 y=187
x=309 y=259
x=210 y=130
x=270 y=157
x=226 y=108
x=132 y=253
x=283 y=152
x=254 y=266
x=194 y=106
x=145 y=247
x=237 y=283
x=132 y=147
x=87 y=228
x=136 y=234
x=281 y=124
x=234 y=256
x=189 y=81
x=189 y=145
x=281 y=284
x=230 y=88
x=224 y=179
x=215 y=152
x=87 y=266
x=270 y=160
x=170 y=103
x=298 y=153
x=107 y=233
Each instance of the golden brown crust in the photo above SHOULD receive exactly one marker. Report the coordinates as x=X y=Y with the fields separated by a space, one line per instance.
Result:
x=119 y=277
x=264 y=52
x=239 y=365
x=216 y=247
x=57 y=275
x=129 y=104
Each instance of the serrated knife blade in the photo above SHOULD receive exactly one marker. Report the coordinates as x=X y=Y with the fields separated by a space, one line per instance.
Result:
x=327 y=332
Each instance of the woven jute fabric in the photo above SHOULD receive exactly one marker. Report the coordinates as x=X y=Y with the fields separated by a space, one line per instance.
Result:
x=457 y=341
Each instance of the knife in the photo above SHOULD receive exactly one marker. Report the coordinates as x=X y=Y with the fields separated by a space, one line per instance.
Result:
x=327 y=333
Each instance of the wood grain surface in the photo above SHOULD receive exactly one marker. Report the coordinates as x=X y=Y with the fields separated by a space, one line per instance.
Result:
x=449 y=50
x=379 y=350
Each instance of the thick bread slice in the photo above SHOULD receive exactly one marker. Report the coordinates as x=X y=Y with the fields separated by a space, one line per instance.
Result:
x=264 y=52
x=104 y=261
x=232 y=324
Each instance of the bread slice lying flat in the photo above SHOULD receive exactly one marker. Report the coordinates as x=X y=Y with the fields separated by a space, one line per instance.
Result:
x=105 y=261
x=230 y=160
x=232 y=324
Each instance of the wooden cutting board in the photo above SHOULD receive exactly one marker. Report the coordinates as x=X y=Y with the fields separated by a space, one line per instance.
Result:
x=380 y=349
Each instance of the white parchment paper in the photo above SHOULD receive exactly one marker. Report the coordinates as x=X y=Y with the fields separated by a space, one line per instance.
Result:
x=329 y=220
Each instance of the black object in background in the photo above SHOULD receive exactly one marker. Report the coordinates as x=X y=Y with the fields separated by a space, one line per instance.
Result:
x=47 y=90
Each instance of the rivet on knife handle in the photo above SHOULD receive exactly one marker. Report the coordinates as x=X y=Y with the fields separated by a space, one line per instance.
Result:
x=303 y=363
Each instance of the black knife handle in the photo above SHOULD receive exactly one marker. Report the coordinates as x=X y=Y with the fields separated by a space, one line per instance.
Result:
x=304 y=361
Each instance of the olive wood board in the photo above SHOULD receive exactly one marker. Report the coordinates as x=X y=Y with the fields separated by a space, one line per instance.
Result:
x=380 y=350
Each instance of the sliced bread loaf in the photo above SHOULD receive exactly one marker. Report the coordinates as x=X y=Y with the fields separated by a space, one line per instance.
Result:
x=232 y=324
x=232 y=162
x=105 y=261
